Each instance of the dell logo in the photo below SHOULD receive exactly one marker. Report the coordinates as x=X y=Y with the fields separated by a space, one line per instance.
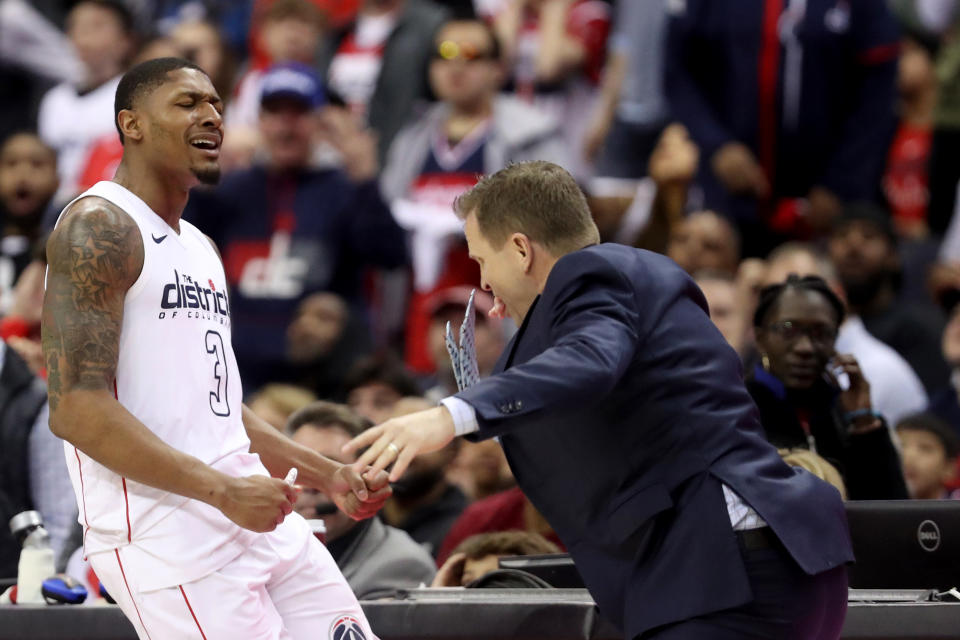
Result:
x=928 y=535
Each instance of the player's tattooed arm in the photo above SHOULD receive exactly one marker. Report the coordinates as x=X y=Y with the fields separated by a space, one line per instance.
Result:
x=94 y=256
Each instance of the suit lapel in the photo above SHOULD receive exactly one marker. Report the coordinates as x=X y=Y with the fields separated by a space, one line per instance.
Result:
x=506 y=358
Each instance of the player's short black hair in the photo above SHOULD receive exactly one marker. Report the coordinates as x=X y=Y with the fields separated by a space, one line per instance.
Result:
x=142 y=79
x=771 y=294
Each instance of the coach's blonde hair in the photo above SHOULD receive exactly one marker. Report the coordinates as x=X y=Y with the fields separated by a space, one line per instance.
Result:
x=538 y=199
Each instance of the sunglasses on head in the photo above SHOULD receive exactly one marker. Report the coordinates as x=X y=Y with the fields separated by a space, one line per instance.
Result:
x=450 y=50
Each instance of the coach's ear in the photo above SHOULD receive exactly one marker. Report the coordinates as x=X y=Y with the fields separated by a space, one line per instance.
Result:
x=521 y=250
x=129 y=125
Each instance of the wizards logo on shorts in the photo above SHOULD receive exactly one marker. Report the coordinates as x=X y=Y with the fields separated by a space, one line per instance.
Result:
x=346 y=627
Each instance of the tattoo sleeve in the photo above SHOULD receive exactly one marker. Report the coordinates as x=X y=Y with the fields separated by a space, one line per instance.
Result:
x=94 y=256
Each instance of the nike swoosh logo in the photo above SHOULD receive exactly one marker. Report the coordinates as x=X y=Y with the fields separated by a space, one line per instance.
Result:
x=158 y=240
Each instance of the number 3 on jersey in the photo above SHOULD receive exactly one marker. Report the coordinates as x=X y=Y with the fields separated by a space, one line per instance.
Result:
x=218 y=397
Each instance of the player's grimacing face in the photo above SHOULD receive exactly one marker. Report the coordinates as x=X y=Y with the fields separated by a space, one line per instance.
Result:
x=183 y=125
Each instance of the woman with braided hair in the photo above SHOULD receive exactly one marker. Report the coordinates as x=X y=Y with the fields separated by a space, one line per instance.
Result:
x=811 y=397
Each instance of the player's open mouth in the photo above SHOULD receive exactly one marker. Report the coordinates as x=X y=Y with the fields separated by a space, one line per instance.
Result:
x=208 y=143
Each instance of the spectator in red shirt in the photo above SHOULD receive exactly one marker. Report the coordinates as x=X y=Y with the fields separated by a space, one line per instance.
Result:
x=505 y=511
x=906 y=179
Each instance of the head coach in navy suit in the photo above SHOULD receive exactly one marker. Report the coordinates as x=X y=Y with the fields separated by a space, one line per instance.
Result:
x=624 y=417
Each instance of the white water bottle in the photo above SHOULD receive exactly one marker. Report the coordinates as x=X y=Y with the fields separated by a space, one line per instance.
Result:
x=36 y=556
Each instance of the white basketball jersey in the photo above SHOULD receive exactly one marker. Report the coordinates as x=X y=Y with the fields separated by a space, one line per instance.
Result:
x=177 y=374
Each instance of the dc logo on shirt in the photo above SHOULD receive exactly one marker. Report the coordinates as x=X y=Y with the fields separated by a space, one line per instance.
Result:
x=346 y=628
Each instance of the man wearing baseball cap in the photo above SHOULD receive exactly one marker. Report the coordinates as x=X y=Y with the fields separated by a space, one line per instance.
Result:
x=306 y=217
x=292 y=80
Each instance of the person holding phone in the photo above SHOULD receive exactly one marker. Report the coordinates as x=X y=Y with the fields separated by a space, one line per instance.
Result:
x=809 y=396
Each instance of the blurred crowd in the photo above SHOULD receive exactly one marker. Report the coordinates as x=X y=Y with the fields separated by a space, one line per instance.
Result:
x=800 y=159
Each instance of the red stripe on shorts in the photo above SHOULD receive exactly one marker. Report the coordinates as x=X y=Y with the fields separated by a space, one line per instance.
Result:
x=202 y=634
x=130 y=593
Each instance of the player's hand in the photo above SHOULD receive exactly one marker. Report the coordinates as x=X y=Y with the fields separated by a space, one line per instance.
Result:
x=257 y=503
x=409 y=435
x=359 y=495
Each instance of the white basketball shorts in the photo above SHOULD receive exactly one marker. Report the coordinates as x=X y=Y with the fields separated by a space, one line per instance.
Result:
x=264 y=594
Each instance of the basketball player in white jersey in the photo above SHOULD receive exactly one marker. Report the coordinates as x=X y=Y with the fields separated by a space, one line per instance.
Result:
x=182 y=521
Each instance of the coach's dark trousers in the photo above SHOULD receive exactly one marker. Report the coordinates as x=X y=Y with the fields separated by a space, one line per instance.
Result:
x=788 y=604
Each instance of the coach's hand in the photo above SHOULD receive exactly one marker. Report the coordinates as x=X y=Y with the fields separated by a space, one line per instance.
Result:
x=358 y=495
x=399 y=440
x=257 y=503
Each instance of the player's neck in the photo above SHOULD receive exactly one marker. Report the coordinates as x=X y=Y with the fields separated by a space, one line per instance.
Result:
x=165 y=195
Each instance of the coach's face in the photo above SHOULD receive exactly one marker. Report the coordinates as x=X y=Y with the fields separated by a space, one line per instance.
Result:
x=181 y=125
x=505 y=271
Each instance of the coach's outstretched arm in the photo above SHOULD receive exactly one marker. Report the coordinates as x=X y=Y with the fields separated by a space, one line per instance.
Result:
x=94 y=256
x=594 y=317
x=358 y=496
